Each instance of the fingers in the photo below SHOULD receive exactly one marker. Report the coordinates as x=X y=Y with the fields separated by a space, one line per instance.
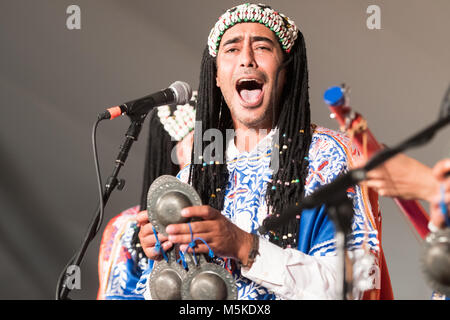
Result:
x=442 y=195
x=375 y=184
x=148 y=242
x=375 y=174
x=445 y=185
x=152 y=253
x=196 y=227
x=147 y=236
x=204 y=212
x=441 y=168
x=436 y=210
x=438 y=198
x=199 y=248
x=208 y=229
x=142 y=218
x=381 y=172
x=220 y=234
x=148 y=239
x=436 y=216
x=380 y=187
x=186 y=238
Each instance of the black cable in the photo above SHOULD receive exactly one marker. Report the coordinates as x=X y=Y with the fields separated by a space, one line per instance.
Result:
x=99 y=177
x=112 y=183
x=61 y=277
x=97 y=219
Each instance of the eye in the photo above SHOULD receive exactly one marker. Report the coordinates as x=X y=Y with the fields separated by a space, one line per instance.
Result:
x=263 y=48
x=231 y=50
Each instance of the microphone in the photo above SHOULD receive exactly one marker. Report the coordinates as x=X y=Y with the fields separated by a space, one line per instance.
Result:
x=178 y=92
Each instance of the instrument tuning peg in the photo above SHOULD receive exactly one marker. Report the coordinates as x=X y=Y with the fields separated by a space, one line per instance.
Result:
x=346 y=91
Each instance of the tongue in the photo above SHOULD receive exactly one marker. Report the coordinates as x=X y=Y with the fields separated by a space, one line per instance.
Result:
x=250 y=96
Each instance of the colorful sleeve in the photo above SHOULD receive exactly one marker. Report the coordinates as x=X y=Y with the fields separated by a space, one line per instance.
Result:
x=332 y=154
x=117 y=267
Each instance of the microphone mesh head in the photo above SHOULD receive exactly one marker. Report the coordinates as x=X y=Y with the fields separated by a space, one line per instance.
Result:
x=183 y=92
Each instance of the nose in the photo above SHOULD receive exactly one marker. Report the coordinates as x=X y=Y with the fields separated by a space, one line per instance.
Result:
x=247 y=57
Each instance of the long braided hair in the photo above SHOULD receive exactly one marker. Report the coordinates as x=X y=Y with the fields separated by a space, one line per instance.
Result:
x=157 y=162
x=294 y=125
x=158 y=155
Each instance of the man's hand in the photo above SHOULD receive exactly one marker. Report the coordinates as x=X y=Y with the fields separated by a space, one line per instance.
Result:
x=148 y=239
x=403 y=177
x=223 y=237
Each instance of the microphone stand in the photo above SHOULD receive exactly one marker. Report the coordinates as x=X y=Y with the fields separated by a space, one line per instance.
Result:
x=340 y=207
x=340 y=211
x=112 y=182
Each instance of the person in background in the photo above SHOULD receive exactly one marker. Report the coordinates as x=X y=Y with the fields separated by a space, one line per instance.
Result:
x=405 y=177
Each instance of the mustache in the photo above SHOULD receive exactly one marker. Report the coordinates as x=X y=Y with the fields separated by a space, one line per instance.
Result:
x=251 y=72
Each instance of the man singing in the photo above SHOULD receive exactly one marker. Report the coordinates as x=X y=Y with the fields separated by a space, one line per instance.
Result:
x=254 y=80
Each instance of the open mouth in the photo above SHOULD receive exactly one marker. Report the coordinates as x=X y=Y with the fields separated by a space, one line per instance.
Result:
x=250 y=91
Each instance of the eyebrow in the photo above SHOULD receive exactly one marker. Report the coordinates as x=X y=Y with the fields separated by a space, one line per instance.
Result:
x=253 y=39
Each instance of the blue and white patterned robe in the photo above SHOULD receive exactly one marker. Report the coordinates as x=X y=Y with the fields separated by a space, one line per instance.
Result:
x=331 y=153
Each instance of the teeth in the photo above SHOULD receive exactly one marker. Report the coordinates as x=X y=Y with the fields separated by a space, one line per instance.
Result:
x=248 y=80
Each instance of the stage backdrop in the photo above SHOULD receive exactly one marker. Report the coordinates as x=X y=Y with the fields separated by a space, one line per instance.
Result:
x=56 y=76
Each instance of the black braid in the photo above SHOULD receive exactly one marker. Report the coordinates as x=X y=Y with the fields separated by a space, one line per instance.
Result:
x=158 y=155
x=294 y=123
x=157 y=162
x=209 y=180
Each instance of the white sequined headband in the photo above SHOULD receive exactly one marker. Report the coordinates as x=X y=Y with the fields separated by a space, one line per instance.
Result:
x=282 y=26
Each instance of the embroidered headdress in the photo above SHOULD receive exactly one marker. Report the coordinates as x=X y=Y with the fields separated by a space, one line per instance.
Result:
x=282 y=26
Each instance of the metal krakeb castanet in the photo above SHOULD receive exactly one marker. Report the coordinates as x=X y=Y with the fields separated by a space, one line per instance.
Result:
x=196 y=278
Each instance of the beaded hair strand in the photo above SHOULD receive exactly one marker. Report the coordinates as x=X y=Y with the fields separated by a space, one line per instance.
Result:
x=209 y=179
x=287 y=184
